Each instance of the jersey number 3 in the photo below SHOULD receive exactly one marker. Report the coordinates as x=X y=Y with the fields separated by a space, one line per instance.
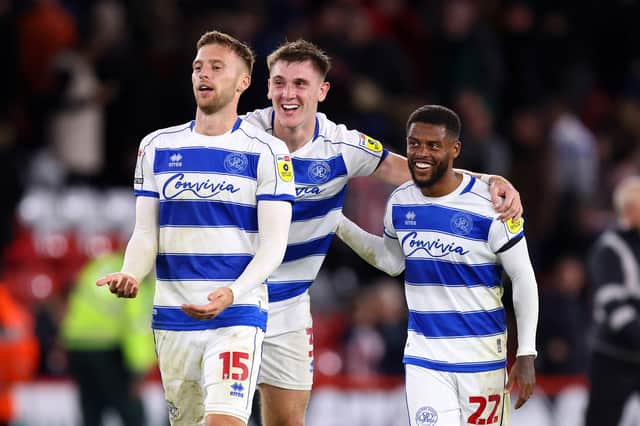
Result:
x=475 y=418
x=237 y=362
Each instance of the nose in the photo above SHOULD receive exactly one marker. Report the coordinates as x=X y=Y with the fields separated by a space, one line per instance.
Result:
x=204 y=72
x=287 y=92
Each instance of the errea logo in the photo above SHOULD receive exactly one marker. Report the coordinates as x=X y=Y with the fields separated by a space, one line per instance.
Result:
x=175 y=160
x=237 y=390
x=410 y=218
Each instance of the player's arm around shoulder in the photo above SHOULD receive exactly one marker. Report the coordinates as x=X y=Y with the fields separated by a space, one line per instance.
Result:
x=393 y=170
x=504 y=196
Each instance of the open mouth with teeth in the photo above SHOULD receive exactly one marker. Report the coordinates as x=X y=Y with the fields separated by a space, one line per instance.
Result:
x=422 y=165
x=288 y=107
x=205 y=89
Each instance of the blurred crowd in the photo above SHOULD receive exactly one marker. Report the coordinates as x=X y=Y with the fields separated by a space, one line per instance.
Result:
x=548 y=93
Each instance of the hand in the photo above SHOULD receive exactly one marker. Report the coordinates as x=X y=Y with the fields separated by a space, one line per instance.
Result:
x=522 y=374
x=505 y=198
x=218 y=302
x=120 y=284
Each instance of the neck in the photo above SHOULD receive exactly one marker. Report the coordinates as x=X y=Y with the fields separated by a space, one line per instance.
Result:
x=444 y=186
x=295 y=137
x=217 y=123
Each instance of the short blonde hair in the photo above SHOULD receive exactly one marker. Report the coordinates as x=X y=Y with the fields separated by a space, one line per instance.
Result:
x=624 y=192
x=239 y=48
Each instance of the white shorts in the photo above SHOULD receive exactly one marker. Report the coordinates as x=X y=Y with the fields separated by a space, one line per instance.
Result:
x=287 y=357
x=454 y=399
x=209 y=371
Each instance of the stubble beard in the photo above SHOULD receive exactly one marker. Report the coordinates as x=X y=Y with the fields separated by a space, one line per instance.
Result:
x=218 y=102
x=438 y=173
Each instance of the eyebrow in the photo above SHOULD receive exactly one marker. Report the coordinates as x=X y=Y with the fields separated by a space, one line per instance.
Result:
x=297 y=79
x=201 y=61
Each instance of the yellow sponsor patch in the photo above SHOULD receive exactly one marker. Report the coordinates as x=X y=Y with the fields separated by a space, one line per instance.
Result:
x=370 y=143
x=514 y=227
x=285 y=168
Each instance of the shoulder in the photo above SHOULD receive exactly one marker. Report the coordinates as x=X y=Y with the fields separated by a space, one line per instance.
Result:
x=614 y=239
x=403 y=192
x=340 y=134
x=477 y=197
x=261 y=137
x=261 y=118
x=331 y=131
x=167 y=133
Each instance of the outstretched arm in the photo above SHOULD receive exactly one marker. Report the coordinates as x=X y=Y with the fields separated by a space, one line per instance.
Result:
x=274 y=218
x=517 y=265
x=383 y=253
x=140 y=253
x=394 y=170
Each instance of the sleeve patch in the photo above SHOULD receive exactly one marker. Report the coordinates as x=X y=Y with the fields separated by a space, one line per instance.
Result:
x=514 y=226
x=370 y=143
x=285 y=168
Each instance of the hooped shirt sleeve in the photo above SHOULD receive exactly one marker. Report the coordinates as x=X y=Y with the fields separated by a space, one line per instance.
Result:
x=275 y=172
x=504 y=235
x=144 y=183
x=361 y=153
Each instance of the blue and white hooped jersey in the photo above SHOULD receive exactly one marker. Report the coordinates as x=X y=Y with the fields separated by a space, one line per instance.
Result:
x=322 y=169
x=453 y=283
x=208 y=188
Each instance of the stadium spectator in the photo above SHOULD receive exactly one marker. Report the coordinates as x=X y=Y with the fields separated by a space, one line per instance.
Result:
x=18 y=351
x=109 y=345
x=614 y=266
x=564 y=318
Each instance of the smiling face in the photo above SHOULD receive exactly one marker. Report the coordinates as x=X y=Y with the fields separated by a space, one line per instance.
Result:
x=219 y=76
x=430 y=153
x=295 y=88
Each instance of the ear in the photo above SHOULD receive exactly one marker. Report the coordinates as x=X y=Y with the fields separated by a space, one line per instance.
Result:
x=455 y=149
x=245 y=82
x=324 y=89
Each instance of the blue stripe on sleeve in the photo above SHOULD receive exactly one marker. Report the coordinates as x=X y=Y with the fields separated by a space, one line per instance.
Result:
x=173 y=318
x=200 y=267
x=279 y=291
x=151 y=194
x=276 y=197
x=458 y=324
x=208 y=213
x=429 y=271
x=471 y=367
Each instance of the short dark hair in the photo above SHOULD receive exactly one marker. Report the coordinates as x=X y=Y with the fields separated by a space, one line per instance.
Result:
x=439 y=116
x=300 y=51
x=239 y=48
